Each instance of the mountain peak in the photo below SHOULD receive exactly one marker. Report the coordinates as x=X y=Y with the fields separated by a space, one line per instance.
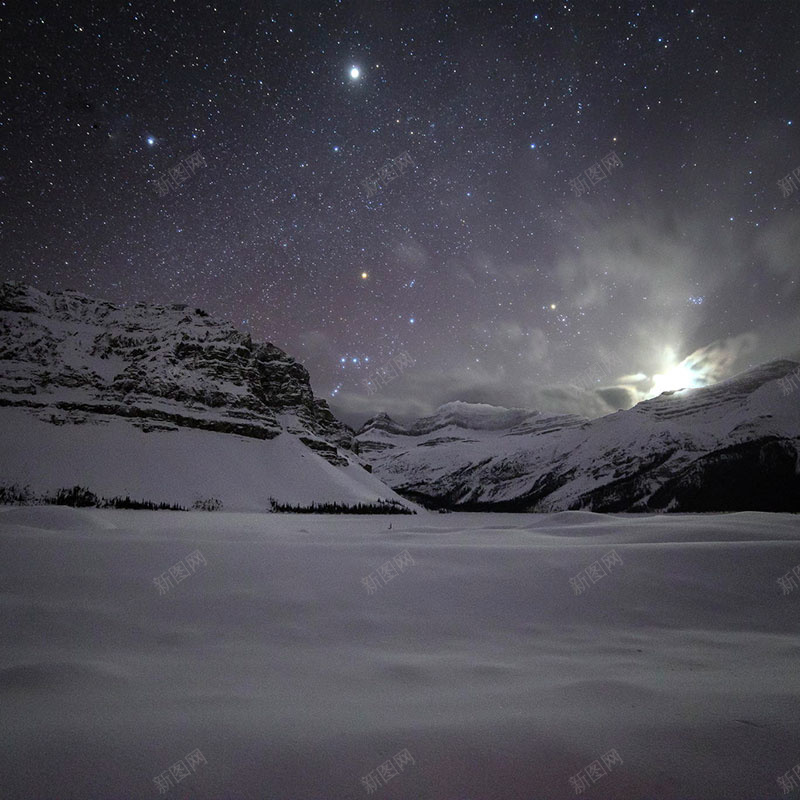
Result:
x=734 y=445
x=162 y=403
x=472 y=416
x=152 y=362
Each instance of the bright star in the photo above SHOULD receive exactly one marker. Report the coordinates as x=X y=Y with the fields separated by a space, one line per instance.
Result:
x=411 y=320
x=364 y=275
x=355 y=72
x=151 y=141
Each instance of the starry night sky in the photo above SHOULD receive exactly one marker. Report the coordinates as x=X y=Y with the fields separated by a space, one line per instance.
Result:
x=483 y=263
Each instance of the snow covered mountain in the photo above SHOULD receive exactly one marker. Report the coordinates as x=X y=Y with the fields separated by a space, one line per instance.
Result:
x=731 y=446
x=162 y=403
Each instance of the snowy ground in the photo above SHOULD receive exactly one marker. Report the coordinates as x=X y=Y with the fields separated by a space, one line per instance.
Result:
x=293 y=681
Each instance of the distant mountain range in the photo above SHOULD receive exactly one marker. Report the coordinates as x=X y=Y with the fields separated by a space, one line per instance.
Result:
x=731 y=446
x=167 y=404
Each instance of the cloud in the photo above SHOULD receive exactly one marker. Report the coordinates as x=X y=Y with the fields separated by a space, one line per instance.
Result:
x=654 y=289
x=618 y=397
x=355 y=409
x=722 y=359
x=478 y=384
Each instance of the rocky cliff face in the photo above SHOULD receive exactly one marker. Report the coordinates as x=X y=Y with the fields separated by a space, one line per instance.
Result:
x=732 y=446
x=65 y=355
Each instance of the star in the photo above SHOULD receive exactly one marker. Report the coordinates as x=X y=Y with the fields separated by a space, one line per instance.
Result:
x=413 y=190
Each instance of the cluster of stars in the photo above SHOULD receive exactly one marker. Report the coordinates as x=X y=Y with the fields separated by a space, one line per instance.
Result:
x=292 y=108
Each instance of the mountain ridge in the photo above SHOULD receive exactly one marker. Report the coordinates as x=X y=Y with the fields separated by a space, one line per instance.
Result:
x=162 y=362
x=136 y=377
x=665 y=453
x=94 y=394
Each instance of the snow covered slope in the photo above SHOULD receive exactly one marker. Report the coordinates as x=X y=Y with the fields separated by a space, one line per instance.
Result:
x=731 y=446
x=295 y=681
x=162 y=403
